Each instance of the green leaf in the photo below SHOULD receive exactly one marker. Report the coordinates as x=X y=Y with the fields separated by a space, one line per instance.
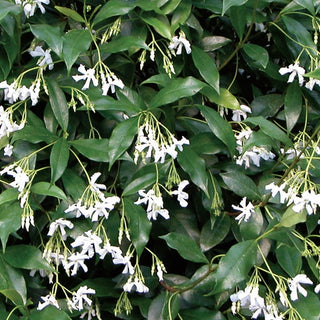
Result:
x=267 y=105
x=256 y=53
x=104 y=287
x=289 y=259
x=48 y=313
x=195 y=167
x=8 y=195
x=220 y=127
x=32 y=257
x=206 y=67
x=139 y=183
x=230 y=3
x=9 y=223
x=73 y=184
x=58 y=103
x=113 y=8
x=159 y=22
x=308 y=307
x=7 y=7
x=307 y=4
x=70 y=13
x=75 y=42
x=59 y=157
x=253 y=227
x=12 y=283
x=315 y=74
x=121 y=138
x=225 y=98
x=291 y=218
x=180 y=15
x=201 y=313
x=292 y=105
x=214 y=231
x=269 y=129
x=186 y=247
x=52 y=35
x=139 y=225
x=241 y=184
x=238 y=18
x=235 y=265
x=47 y=189
x=124 y=43
x=175 y=90
x=93 y=149
x=212 y=43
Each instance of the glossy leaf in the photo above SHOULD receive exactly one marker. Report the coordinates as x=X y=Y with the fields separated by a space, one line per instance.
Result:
x=8 y=195
x=74 y=184
x=267 y=106
x=308 y=306
x=241 y=184
x=48 y=189
x=185 y=246
x=49 y=313
x=289 y=259
x=214 y=231
x=12 y=283
x=124 y=43
x=292 y=105
x=121 y=138
x=139 y=183
x=58 y=103
x=291 y=218
x=230 y=3
x=70 y=13
x=257 y=54
x=7 y=7
x=9 y=223
x=32 y=258
x=160 y=23
x=206 y=67
x=176 y=89
x=225 y=98
x=139 y=225
x=219 y=127
x=52 y=35
x=235 y=265
x=74 y=43
x=59 y=157
x=253 y=227
x=180 y=15
x=94 y=149
x=194 y=165
x=212 y=43
x=201 y=313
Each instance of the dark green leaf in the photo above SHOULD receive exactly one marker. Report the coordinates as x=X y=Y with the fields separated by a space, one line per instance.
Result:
x=258 y=54
x=139 y=183
x=58 y=103
x=75 y=42
x=267 y=106
x=32 y=257
x=48 y=313
x=139 y=225
x=269 y=129
x=207 y=67
x=180 y=15
x=235 y=265
x=220 y=127
x=8 y=195
x=9 y=223
x=212 y=43
x=292 y=105
x=59 y=157
x=214 y=231
x=225 y=98
x=160 y=23
x=289 y=259
x=253 y=227
x=195 y=167
x=121 y=138
x=308 y=307
x=176 y=89
x=12 y=283
x=47 y=189
x=124 y=43
x=93 y=149
x=104 y=287
x=185 y=246
x=230 y=3
x=238 y=18
x=70 y=13
x=291 y=218
x=34 y=134
x=52 y=35
x=74 y=185
x=7 y=7
x=241 y=184
x=201 y=313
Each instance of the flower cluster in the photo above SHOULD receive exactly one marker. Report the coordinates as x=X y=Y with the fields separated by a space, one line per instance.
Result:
x=109 y=81
x=178 y=43
x=7 y=125
x=30 y=6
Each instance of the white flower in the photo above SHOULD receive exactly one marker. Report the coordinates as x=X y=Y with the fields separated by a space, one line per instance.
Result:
x=110 y=83
x=20 y=178
x=34 y=91
x=77 y=260
x=61 y=224
x=87 y=75
x=241 y=114
x=89 y=243
x=119 y=259
x=45 y=57
x=182 y=196
x=140 y=286
x=246 y=210
x=317 y=288
x=80 y=297
x=8 y=150
x=178 y=43
x=275 y=189
x=48 y=300
x=295 y=286
x=294 y=70
x=310 y=84
x=30 y=6
x=96 y=187
x=308 y=200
